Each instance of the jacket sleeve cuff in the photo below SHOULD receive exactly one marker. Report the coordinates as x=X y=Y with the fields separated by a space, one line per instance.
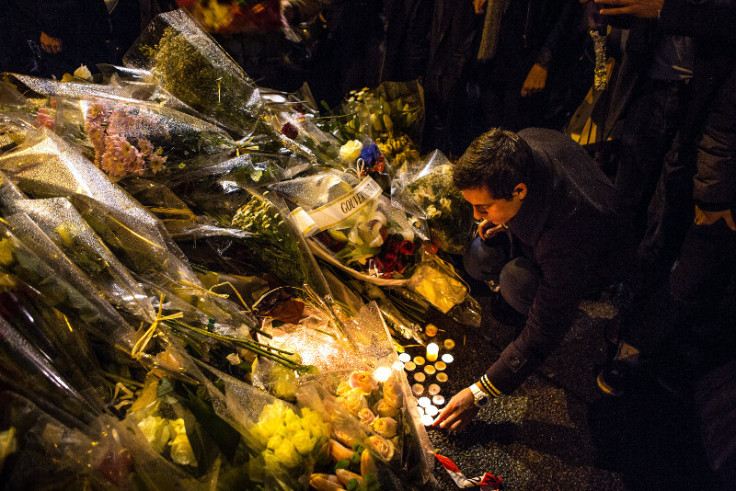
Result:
x=511 y=369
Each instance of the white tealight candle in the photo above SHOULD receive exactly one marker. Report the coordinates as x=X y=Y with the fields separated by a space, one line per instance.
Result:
x=433 y=389
x=417 y=389
x=424 y=402
x=448 y=358
x=420 y=377
x=404 y=357
x=410 y=366
x=438 y=400
x=427 y=420
x=421 y=410
x=419 y=360
x=433 y=350
x=432 y=411
x=442 y=377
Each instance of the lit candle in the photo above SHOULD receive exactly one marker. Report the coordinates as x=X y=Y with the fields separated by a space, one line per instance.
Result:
x=442 y=377
x=417 y=389
x=410 y=366
x=427 y=420
x=430 y=330
x=404 y=357
x=419 y=360
x=438 y=400
x=448 y=358
x=420 y=377
x=382 y=374
x=432 y=350
x=440 y=365
x=424 y=401
x=449 y=344
x=430 y=370
x=432 y=411
x=433 y=389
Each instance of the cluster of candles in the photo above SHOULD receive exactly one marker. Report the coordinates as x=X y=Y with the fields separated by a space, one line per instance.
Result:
x=430 y=367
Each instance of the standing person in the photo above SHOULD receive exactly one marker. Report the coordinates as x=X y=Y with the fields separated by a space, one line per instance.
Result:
x=559 y=210
x=706 y=149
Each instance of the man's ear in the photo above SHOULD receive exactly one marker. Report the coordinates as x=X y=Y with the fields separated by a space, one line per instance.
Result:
x=520 y=191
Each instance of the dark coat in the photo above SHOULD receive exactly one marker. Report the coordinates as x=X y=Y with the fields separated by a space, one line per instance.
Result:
x=568 y=227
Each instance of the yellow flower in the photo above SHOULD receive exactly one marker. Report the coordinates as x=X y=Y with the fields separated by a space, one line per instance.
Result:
x=353 y=401
x=286 y=454
x=363 y=381
x=383 y=447
x=383 y=408
x=392 y=393
x=386 y=427
x=350 y=152
x=303 y=442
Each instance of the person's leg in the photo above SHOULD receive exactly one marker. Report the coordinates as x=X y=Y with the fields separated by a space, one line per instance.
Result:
x=483 y=261
x=519 y=281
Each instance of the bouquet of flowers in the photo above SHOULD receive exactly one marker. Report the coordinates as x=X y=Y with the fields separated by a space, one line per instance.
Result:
x=427 y=190
x=189 y=64
x=354 y=226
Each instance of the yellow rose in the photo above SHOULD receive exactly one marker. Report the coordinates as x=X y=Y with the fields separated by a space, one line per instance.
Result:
x=350 y=152
x=363 y=381
x=353 y=401
x=386 y=427
x=385 y=409
x=342 y=388
x=286 y=454
x=392 y=392
x=303 y=442
x=366 y=416
x=384 y=448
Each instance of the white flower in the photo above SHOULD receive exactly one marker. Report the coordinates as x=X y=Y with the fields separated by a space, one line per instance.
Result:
x=350 y=152
x=181 y=450
x=445 y=204
x=156 y=430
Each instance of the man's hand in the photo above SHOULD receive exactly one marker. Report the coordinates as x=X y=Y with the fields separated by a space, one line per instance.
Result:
x=644 y=9
x=535 y=81
x=711 y=217
x=458 y=413
x=479 y=6
x=49 y=44
x=486 y=229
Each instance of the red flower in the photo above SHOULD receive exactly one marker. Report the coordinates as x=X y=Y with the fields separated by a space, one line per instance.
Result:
x=407 y=247
x=390 y=263
x=289 y=131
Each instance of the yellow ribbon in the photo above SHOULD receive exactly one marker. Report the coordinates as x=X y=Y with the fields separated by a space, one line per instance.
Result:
x=218 y=295
x=140 y=345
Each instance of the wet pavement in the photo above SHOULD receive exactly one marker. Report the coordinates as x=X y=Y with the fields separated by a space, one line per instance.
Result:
x=557 y=431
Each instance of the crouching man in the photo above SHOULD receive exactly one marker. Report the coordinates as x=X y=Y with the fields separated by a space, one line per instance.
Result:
x=559 y=211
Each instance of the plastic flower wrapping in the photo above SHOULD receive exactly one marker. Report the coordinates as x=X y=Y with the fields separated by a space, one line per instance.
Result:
x=201 y=287
x=427 y=189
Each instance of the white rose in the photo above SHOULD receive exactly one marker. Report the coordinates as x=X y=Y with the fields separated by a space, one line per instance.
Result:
x=350 y=152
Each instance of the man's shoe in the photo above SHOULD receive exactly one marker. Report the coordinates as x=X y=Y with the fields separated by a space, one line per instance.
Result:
x=615 y=378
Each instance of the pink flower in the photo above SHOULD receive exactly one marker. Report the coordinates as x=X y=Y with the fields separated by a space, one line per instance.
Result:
x=366 y=416
x=383 y=447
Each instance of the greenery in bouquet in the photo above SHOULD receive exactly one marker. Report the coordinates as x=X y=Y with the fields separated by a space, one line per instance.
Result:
x=194 y=68
x=449 y=216
x=394 y=124
x=273 y=240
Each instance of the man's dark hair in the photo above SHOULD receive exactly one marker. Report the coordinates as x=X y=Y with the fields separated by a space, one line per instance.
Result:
x=497 y=160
